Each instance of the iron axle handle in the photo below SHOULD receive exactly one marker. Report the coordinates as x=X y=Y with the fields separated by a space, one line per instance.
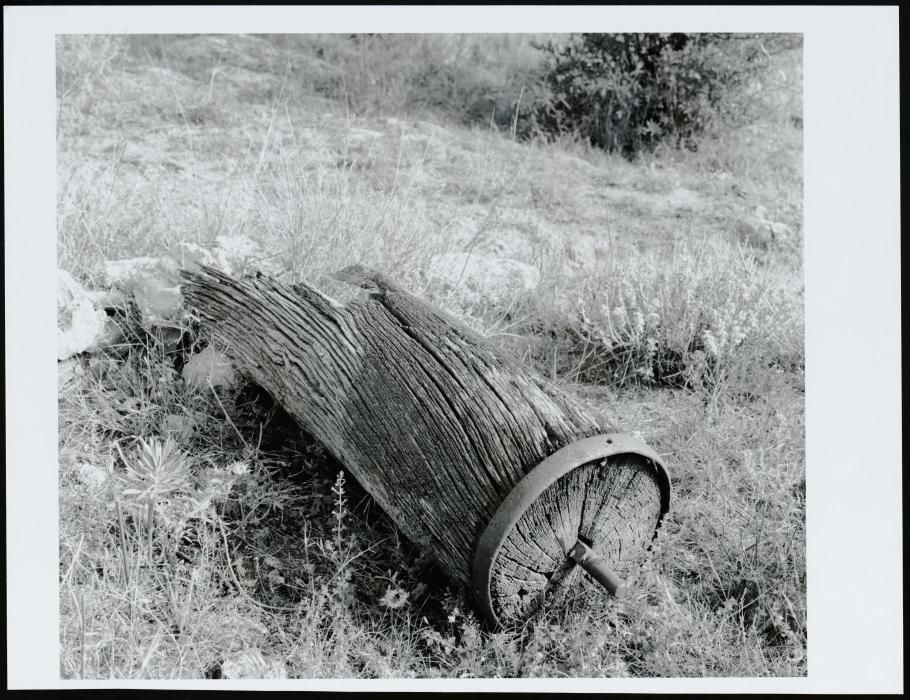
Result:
x=590 y=561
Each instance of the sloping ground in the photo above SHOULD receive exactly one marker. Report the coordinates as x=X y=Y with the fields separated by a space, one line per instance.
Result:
x=544 y=248
x=229 y=144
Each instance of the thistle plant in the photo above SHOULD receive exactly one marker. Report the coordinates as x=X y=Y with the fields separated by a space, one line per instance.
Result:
x=156 y=469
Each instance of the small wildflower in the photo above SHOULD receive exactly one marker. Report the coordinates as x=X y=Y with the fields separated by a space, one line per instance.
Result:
x=710 y=343
x=393 y=598
x=218 y=484
x=239 y=468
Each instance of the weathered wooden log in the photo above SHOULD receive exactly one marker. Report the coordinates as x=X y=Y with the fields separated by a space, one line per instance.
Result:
x=476 y=458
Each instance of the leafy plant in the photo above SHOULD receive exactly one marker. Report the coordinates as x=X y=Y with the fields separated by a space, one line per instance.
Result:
x=695 y=320
x=629 y=92
x=157 y=469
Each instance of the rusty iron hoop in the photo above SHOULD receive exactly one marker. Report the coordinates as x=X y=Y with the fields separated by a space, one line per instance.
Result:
x=535 y=482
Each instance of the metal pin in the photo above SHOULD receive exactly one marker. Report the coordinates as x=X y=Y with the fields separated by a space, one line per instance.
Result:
x=590 y=561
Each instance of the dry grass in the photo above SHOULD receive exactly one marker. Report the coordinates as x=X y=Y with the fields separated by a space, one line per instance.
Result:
x=249 y=550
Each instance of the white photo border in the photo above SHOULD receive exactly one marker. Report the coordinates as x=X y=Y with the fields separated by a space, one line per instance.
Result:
x=852 y=275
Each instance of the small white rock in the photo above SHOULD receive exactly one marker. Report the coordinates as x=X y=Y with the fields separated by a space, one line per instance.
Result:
x=238 y=254
x=79 y=324
x=209 y=366
x=157 y=301
x=251 y=663
x=91 y=475
x=153 y=283
x=182 y=426
x=682 y=198
x=781 y=231
x=124 y=272
x=191 y=255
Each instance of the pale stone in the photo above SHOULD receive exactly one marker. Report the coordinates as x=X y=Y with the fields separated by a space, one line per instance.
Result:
x=781 y=232
x=682 y=198
x=80 y=325
x=153 y=283
x=191 y=255
x=238 y=254
x=182 y=426
x=123 y=272
x=157 y=301
x=91 y=475
x=251 y=663
x=208 y=366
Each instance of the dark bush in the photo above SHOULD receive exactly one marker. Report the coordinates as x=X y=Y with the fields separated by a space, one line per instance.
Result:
x=629 y=92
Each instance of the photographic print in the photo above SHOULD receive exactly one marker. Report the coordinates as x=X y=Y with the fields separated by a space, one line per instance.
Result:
x=431 y=356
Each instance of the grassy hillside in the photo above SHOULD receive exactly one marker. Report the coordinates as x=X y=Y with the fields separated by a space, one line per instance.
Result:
x=667 y=293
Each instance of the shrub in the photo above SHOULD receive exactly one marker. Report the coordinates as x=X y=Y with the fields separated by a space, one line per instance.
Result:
x=697 y=319
x=628 y=92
